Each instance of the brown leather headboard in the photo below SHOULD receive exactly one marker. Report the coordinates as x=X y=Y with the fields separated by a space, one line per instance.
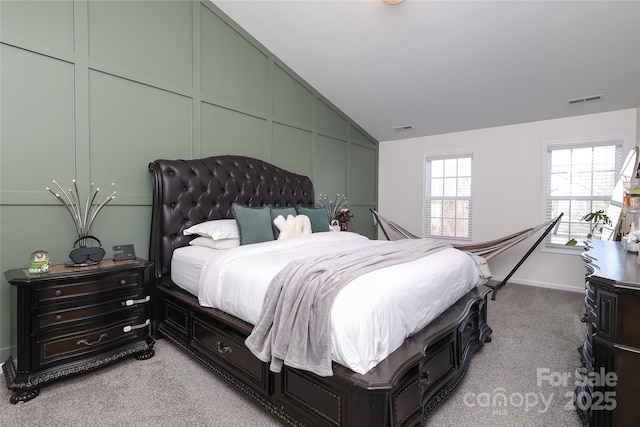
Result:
x=187 y=192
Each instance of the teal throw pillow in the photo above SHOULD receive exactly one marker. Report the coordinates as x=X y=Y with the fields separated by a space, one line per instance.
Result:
x=254 y=224
x=280 y=211
x=318 y=217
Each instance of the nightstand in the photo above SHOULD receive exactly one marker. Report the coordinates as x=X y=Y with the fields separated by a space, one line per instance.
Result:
x=75 y=319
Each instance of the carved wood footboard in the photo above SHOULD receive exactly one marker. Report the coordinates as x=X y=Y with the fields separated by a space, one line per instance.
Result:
x=401 y=391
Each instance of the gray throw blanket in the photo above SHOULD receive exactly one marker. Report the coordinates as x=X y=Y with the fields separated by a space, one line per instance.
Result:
x=295 y=325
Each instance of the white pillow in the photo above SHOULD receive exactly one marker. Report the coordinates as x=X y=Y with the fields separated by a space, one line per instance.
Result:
x=217 y=229
x=208 y=242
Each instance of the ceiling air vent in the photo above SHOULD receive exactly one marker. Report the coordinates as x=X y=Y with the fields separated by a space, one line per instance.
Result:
x=585 y=99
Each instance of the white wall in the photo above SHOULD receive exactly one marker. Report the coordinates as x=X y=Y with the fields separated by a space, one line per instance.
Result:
x=508 y=186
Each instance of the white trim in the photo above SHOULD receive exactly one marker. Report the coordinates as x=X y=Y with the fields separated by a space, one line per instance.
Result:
x=474 y=190
x=565 y=250
x=623 y=141
x=537 y=284
x=594 y=141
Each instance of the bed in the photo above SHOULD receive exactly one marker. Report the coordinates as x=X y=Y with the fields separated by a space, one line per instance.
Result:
x=396 y=382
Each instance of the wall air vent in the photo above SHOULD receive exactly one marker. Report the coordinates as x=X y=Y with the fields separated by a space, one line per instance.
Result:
x=405 y=127
x=585 y=99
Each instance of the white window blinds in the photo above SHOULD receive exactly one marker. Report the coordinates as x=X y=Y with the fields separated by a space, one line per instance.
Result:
x=448 y=196
x=579 y=179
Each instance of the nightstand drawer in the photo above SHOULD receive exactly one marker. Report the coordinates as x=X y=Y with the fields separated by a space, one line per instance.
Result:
x=75 y=319
x=64 y=316
x=65 y=291
x=52 y=349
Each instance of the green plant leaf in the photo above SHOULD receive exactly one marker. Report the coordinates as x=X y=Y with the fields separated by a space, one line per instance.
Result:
x=598 y=219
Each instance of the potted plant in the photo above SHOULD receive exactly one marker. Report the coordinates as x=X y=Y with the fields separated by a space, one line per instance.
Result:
x=598 y=220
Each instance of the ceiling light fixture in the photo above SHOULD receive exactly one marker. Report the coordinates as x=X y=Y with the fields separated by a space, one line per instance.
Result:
x=393 y=1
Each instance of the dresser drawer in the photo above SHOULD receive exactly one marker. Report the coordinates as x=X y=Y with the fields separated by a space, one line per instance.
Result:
x=65 y=316
x=64 y=291
x=95 y=339
x=231 y=350
x=606 y=314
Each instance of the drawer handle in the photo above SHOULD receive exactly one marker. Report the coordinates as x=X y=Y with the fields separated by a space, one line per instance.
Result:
x=87 y=343
x=57 y=292
x=130 y=302
x=222 y=349
x=122 y=282
x=627 y=348
x=425 y=378
x=58 y=317
x=132 y=327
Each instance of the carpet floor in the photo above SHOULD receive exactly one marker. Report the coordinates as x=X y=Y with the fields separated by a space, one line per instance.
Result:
x=524 y=377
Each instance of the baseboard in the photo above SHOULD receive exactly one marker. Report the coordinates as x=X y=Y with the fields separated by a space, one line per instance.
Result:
x=556 y=286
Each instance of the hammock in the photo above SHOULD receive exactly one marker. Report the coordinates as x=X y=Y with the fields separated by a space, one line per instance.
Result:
x=487 y=250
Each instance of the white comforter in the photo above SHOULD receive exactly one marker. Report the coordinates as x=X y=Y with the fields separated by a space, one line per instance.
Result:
x=371 y=316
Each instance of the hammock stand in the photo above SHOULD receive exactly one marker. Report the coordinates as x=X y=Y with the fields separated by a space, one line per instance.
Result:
x=486 y=250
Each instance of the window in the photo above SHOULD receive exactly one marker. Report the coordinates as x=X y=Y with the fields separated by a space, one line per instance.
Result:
x=579 y=178
x=448 y=196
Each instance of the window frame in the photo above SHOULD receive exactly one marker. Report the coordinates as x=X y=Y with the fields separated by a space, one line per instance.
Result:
x=545 y=203
x=472 y=198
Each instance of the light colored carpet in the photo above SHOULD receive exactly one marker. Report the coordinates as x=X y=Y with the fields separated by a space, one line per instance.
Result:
x=536 y=333
x=534 y=330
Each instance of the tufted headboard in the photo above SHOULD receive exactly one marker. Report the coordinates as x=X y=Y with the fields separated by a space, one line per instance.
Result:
x=187 y=192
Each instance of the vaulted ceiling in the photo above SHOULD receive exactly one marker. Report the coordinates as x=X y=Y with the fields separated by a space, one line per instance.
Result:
x=445 y=66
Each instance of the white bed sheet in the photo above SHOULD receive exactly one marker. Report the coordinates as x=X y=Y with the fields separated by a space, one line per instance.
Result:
x=186 y=265
x=371 y=316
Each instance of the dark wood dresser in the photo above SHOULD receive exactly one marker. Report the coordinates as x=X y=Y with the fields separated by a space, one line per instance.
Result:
x=608 y=392
x=74 y=319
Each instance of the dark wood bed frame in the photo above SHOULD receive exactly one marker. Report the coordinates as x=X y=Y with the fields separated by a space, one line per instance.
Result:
x=400 y=391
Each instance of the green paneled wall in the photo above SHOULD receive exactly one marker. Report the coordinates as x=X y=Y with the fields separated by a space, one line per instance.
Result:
x=293 y=148
x=226 y=131
x=95 y=90
x=130 y=124
x=243 y=76
x=291 y=100
x=37 y=124
x=153 y=38
x=331 y=150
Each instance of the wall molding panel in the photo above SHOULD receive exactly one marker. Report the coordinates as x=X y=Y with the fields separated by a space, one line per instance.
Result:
x=95 y=90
